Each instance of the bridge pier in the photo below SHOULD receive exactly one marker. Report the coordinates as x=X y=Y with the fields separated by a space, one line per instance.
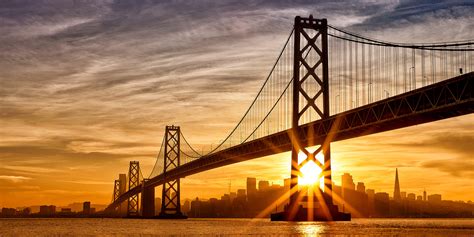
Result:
x=148 y=201
x=308 y=203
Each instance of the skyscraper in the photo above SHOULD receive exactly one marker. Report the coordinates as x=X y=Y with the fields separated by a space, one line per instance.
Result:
x=123 y=183
x=346 y=184
x=263 y=185
x=360 y=187
x=86 y=208
x=347 y=181
x=396 y=191
x=122 y=190
x=251 y=186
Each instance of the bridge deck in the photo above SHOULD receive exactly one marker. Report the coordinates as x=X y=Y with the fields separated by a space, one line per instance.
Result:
x=445 y=99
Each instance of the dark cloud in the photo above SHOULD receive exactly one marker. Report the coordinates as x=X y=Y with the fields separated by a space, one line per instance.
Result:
x=414 y=12
x=66 y=153
x=452 y=153
x=461 y=168
x=421 y=21
x=459 y=143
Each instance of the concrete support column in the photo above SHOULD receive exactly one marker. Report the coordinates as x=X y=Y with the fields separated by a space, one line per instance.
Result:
x=148 y=202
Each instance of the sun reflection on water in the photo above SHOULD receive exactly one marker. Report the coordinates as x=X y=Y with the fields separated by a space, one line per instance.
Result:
x=310 y=229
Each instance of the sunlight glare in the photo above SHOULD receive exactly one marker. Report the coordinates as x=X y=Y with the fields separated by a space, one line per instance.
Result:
x=320 y=157
x=311 y=171
x=310 y=174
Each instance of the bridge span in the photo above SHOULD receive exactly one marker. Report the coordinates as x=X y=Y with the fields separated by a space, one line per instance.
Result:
x=445 y=99
x=326 y=85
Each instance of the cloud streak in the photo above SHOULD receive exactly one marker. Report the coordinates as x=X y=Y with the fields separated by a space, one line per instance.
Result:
x=14 y=179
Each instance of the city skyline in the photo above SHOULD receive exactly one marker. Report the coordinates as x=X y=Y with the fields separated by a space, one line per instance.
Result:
x=281 y=183
x=259 y=199
x=85 y=90
x=361 y=201
x=261 y=184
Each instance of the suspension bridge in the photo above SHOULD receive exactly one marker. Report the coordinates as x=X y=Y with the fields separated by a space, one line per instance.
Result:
x=326 y=85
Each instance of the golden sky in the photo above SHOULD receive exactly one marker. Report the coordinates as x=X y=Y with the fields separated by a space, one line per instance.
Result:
x=87 y=87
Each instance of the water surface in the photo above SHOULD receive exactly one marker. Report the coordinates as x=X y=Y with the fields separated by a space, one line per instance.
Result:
x=138 y=227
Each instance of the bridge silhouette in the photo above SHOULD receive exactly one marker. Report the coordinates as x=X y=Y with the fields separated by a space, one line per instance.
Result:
x=326 y=85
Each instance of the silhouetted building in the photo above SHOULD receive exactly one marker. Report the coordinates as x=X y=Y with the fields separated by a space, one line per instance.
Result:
x=195 y=208
x=424 y=196
x=8 y=212
x=371 y=200
x=158 y=206
x=241 y=193
x=434 y=198
x=47 y=210
x=337 y=190
x=396 y=191
x=186 y=206
x=403 y=195
x=275 y=186
x=360 y=187
x=26 y=211
x=370 y=192
x=86 y=208
x=263 y=185
x=381 y=204
x=225 y=198
x=122 y=189
x=232 y=195
x=346 y=184
x=359 y=204
x=66 y=210
x=251 y=186
x=353 y=200
x=123 y=183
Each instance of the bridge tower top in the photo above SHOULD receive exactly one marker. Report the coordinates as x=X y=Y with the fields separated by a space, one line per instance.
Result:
x=172 y=127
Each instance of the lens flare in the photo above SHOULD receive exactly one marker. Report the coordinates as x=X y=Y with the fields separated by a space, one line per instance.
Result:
x=309 y=174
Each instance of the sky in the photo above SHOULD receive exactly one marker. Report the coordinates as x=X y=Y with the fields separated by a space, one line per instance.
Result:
x=87 y=86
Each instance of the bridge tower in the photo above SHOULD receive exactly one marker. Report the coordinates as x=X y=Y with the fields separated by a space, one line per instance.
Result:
x=310 y=95
x=133 y=181
x=170 y=197
x=116 y=189
x=115 y=196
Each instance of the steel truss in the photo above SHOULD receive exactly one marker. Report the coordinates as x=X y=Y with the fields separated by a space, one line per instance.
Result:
x=311 y=87
x=133 y=181
x=116 y=189
x=170 y=199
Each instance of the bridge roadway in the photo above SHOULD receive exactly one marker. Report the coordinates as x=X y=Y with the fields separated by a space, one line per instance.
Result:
x=445 y=99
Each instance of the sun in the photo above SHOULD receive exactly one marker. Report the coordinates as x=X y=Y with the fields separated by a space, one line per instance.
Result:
x=310 y=172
